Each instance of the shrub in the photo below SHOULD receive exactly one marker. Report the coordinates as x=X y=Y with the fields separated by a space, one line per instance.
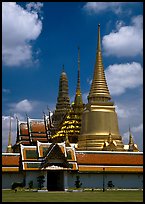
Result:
x=78 y=184
x=40 y=180
x=30 y=184
x=110 y=184
x=17 y=184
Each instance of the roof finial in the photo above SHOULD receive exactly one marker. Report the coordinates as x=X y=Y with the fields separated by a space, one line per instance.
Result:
x=130 y=137
x=9 y=147
x=78 y=83
x=78 y=96
x=63 y=68
x=99 y=38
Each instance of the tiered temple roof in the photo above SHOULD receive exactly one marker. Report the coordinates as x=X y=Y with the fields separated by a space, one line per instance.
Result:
x=31 y=131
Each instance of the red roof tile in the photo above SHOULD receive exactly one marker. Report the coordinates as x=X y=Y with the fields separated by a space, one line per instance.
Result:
x=38 y=134
x=110 y=169
x=24 y=129
x=43 y=139
x=110 y=159
x=37 y=127
x=8 y=160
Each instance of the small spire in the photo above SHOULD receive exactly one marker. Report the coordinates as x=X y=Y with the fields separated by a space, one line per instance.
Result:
x=78 y=82
x=9 y=147
x=63 y=68
x=130 y=138
x=78 y=96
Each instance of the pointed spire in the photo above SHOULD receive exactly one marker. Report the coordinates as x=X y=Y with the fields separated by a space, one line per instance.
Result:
x=63 y=68
x=78 y=82
x=130 y=138
x=63 y=101
x=99 y=90
x=78 y=96
x=9 y=147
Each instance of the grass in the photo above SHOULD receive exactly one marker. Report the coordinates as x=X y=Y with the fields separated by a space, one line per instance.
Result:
x=57 y=196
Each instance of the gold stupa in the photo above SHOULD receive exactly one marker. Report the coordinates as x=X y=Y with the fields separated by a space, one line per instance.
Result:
x=99 y=119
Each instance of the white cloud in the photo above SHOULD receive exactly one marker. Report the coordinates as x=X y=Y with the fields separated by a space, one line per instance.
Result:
x=121 y=112
x=119 y=24
x=7 y=91
x=19 y=28
x=97 y=7
x=85 y=97
x=123 y=76
x=22 y=106
x=138 y=128
x=126 y=41
x=34 y=6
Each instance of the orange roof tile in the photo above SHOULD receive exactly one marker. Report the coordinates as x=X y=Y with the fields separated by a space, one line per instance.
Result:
x=38 y=134
x=110 y=169
x=25 y=142
x=41 y=139
x=110 y=159
x=24 y=129
x=9 y=169
x=24 y=137
x=9 y=160
x=37 y=127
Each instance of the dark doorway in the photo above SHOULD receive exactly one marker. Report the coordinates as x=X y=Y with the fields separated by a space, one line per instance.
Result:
x=55 y=180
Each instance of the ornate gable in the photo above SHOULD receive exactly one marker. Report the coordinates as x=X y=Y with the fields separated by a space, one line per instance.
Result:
x=55 y=156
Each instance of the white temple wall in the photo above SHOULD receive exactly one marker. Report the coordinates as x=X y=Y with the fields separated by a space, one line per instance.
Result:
x=8 y=178
x=71 y=178
x=128 y=181
x=32 y=176
x=132 y=181
x=88 y=180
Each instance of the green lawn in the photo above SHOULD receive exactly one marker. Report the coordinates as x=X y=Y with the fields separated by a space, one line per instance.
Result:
x=96 y=196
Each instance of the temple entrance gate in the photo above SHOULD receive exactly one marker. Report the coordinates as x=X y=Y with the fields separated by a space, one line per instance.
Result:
x=55 y=180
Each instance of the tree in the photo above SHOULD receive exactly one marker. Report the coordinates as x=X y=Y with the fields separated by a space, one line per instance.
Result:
x=40 y=180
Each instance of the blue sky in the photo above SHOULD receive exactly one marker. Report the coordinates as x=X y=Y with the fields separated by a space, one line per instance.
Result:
x=38 y=38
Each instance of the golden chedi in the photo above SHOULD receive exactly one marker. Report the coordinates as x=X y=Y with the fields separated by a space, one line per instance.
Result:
x=99 y=119
x=63 y=103
x=71 y=125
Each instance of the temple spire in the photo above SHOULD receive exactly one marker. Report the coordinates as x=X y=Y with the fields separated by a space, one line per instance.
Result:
x=78 y=82
x=63 y=68
x=9 y=147
x=130 y=138
x=99 y=90
x=78 y=96
x=63 y=101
